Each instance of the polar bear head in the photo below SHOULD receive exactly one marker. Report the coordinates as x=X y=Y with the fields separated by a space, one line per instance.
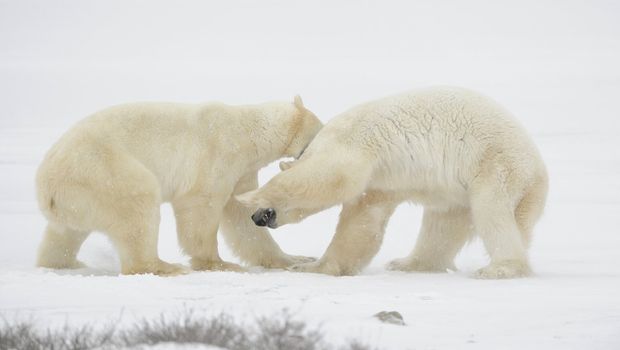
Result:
x=319 y=179
x=276 y=201
x=274 y=216
x=274 y=208
x=303 y=129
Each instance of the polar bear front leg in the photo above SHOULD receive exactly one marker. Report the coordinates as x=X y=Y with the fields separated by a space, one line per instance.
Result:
x=442 y=235
x=197 y=218
x=358 y=237
x=252 y=244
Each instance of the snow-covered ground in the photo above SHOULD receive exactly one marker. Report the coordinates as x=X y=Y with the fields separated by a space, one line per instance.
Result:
x=554 y=64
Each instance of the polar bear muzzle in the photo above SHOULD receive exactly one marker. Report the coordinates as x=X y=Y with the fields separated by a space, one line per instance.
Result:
x=265 y=217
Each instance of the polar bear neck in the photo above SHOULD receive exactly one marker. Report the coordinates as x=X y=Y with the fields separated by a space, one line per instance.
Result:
x=271 y=128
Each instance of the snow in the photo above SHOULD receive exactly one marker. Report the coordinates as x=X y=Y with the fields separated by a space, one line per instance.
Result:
x=553 y=64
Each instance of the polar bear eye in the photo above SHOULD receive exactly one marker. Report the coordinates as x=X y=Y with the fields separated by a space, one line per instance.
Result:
x=300 y=153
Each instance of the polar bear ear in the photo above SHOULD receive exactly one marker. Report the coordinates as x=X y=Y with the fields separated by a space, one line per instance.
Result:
x=299 y=103
x=250 y=199
x=285 y=165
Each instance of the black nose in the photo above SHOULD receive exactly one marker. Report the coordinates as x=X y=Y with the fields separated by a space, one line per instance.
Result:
x=264 y=217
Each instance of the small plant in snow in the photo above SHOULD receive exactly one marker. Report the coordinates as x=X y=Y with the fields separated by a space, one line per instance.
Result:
x=278 y=332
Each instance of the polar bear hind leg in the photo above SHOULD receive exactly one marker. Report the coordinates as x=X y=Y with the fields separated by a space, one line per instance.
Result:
x=442 y=235
x=60 y=247
x=128 y=211
x=531 y=207
x=494 y=220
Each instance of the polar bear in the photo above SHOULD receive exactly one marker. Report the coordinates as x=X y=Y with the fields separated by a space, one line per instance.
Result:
x=112 y=171
x=457 y=153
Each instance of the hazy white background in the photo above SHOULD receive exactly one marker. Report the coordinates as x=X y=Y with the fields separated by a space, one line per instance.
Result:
x=554 y=64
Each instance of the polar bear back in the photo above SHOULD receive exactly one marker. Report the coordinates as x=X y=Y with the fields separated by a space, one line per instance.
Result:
x=160 y=136
x=176 y=142
x=433 y=141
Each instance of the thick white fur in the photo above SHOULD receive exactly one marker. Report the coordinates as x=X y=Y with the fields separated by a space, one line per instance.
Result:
x=459 y=154
x=112 y=171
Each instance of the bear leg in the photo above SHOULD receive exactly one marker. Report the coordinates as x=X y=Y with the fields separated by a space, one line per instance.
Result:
x=530 y=208
x=252 y=244
x=494 y=220
x=358 y=237
x=442 y=235
x=60 y=247
x=198 y=218
x=135 y=237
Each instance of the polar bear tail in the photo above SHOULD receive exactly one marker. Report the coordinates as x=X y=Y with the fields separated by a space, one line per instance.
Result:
x=50 y=204
x=47 y=203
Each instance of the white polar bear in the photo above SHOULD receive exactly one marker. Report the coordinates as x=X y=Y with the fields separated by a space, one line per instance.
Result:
x=112 y=171
x=459 y=154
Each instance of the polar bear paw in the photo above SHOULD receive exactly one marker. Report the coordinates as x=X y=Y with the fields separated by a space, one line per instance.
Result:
x=75 y=264
x=413 y=264
x=284 y=261
x=503 y=270
x=61 y=264
x=318 y=266
x=167 y=269
x=160 y=268
x=215 y=265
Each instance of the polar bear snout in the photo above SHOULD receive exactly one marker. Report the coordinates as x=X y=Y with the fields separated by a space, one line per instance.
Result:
x=265 y=217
